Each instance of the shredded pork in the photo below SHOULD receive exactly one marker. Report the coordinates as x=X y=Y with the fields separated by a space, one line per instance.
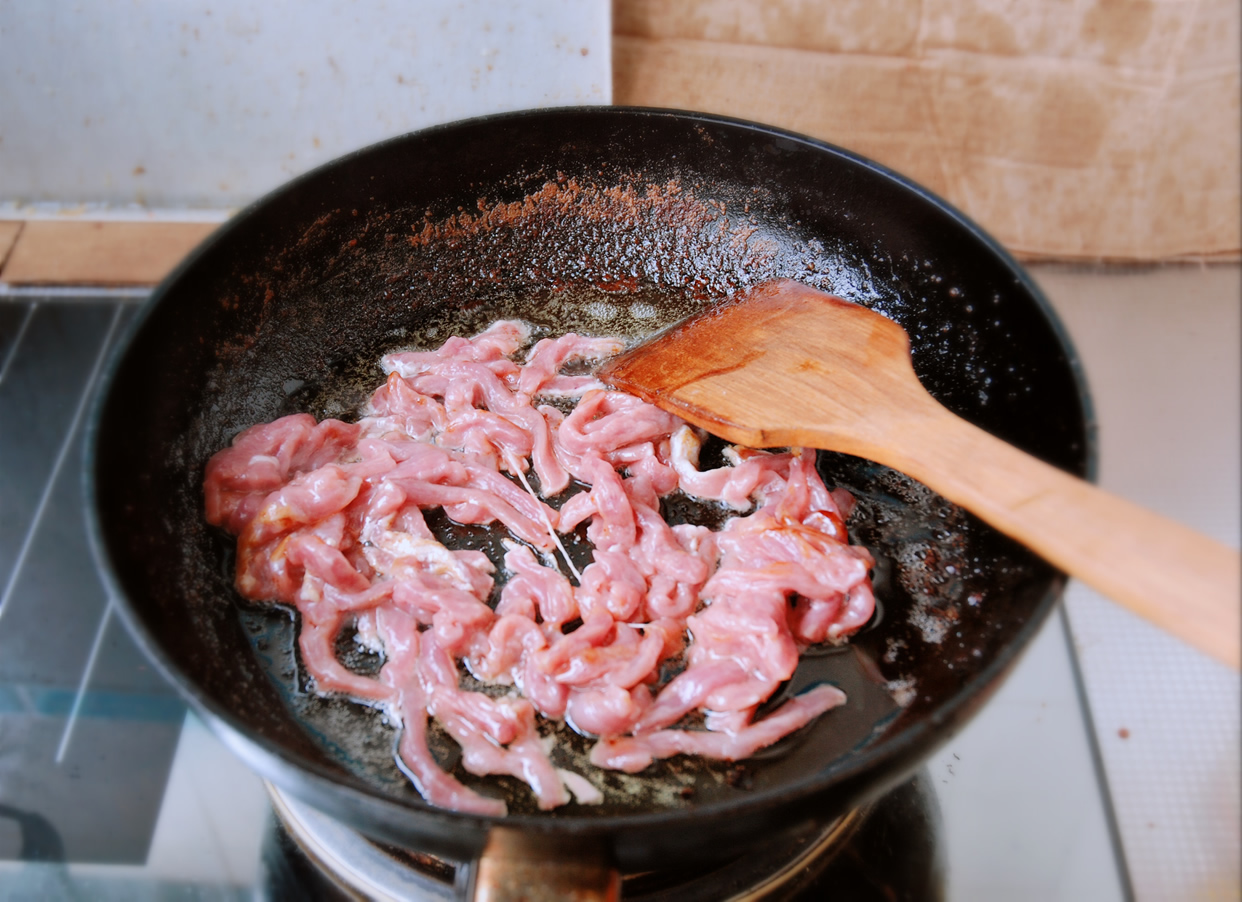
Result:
x=329 y=518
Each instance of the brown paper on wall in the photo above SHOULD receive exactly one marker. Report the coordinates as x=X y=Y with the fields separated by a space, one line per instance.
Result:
x=1070 y=129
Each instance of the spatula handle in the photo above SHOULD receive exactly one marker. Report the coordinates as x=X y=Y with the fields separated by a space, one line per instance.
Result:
x=1180 y=580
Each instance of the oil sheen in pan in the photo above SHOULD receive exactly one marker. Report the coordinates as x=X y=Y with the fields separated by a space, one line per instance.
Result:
x=891 y=519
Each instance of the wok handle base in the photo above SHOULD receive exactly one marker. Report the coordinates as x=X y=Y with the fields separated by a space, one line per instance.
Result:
x=518 y=867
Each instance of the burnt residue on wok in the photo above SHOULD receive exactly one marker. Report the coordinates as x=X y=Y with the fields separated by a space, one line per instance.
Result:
x=624 y=228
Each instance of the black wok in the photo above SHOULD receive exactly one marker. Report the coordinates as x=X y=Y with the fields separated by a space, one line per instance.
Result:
x=602 y=220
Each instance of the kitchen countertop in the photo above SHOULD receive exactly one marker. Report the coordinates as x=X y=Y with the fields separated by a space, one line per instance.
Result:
x=1160 y=346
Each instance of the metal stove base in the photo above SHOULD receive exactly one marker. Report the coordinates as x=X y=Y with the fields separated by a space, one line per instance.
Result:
x=890 y=850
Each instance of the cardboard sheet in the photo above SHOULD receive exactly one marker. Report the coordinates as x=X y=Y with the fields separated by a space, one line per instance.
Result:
x=1071 y=129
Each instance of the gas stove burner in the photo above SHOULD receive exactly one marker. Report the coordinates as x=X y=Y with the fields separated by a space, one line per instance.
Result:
x=886 y=850
x=377 y=871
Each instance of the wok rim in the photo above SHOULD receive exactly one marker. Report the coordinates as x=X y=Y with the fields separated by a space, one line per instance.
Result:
x=900 y=752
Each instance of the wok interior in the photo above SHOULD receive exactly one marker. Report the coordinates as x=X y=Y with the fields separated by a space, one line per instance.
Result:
x=599 y=221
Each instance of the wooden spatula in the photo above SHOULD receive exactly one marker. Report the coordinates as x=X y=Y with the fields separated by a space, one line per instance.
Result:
x=789 y=365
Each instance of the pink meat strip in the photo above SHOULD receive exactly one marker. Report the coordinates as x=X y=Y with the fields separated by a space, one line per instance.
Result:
x=321 y=620
x=399 y=634
x=607 y=420
x=497 y=736
x=264 y=458
x=492 y=347
x=397 y=407
x=329 y=518
x=541 y=374
x=756 y=472
x=549 y=594
x=634 y=753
